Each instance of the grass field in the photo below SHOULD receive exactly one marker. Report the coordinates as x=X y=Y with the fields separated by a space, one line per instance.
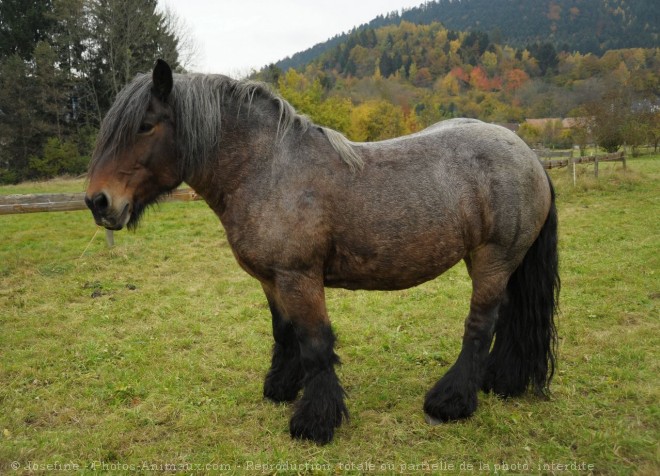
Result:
x=150 y=356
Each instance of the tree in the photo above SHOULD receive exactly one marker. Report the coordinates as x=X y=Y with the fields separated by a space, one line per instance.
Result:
x=422 y=78
x=530 y=134
x=546 y=56
x=654 y=128
x=59 y=157
x=128 y=37
x=335 y=113
x=608 y=116
x=634 y=132
x=270 y=74
x=514 y=79
x=51 y=92
x=364 y=61
x=489 y=61
x=449 y=85
x=473 y=46
x=386 y=65
x=581 y=133
x=23 y=23
x=376 y=120
x=17 y=124
x=61 y=64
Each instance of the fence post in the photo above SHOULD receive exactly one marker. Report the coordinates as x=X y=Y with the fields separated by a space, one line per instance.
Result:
x=110 y=238
x=574 y=177
x=596 y=167
x=623 y=159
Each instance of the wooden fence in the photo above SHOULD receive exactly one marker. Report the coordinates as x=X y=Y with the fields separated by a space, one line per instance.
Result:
x=61 y=202
x=64 y=202
x=595 y=159
x=551 y=153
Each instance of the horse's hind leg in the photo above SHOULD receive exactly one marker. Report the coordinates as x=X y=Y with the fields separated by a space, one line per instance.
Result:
x=285 y=377
x=454 y=396
x=321 y=408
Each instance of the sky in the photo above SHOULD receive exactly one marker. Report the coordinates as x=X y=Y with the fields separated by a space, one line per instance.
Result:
x=234 y=36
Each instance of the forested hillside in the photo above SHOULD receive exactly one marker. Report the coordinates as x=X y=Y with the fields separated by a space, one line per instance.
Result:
x=63 y=61
x=585 y=26
x=393 y=80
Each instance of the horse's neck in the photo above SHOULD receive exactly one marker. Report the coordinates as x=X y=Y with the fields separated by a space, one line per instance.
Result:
x=248 y=142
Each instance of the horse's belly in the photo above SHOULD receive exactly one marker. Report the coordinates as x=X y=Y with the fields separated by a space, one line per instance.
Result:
x=389 y=269
x=377 y=283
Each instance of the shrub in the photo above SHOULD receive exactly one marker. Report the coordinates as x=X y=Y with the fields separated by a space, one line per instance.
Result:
x=59 y=157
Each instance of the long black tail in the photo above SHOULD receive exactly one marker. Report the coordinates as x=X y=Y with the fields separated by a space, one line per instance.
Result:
x=525 y=348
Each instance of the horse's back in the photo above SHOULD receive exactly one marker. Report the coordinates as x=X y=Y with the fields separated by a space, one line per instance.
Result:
x=463 y=135
x=460 y=152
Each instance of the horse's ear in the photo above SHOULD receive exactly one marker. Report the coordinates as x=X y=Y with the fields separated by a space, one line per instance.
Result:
x=162 y=79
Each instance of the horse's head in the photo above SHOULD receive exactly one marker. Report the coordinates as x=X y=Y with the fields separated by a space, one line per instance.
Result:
x=135 y=160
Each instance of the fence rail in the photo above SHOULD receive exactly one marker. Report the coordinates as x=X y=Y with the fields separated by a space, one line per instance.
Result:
x=557 y=163
x=64 y=202
x=595 y=159
x=550 y=154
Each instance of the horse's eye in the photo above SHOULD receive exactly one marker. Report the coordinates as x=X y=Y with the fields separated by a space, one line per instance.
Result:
x=145 y=127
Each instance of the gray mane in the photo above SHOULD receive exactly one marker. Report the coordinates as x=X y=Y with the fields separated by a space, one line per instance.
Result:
x=197 y=100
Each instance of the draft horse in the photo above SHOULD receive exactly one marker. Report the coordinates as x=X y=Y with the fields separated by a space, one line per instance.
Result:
x=304 y=208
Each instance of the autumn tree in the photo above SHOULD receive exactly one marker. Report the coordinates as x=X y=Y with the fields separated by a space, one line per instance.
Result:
x=530 y=134
x=308 y=97
x=376 y=120
x=607 y=117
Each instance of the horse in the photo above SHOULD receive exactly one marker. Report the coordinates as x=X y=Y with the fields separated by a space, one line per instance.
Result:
x=304 y=208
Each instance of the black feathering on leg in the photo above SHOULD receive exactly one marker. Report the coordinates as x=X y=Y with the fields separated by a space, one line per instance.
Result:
x=454 y=396
x=321 y=408
x=285 y=376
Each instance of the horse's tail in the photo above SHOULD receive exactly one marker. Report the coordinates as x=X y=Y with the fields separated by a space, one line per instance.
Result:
x=524 y=352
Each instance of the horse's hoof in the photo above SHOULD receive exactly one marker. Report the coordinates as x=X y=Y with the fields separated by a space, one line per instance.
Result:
x=283 y=386
x=317 y=432
x=447 y=401
x=430 y=420
x=279 y=394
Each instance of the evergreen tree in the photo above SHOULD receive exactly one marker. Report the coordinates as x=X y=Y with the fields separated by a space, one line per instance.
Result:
x=61 y=64
x=23 y=23
x=546 y=56
x=386 y=66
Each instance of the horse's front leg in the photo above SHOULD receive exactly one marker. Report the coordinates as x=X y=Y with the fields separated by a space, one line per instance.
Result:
x=321 y=408
x=285 y=377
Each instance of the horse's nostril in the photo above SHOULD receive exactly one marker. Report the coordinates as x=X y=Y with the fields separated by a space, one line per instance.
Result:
x=100 y=202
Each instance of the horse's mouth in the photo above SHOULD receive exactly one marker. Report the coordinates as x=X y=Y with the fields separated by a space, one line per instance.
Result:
x=115 y=222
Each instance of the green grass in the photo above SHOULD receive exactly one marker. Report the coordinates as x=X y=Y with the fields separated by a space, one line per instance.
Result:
x=154 y=352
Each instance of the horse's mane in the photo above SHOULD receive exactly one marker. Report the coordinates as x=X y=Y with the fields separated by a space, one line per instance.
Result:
x=197 y=100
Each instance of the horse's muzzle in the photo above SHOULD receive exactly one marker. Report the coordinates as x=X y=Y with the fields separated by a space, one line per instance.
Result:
x=105 y=214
